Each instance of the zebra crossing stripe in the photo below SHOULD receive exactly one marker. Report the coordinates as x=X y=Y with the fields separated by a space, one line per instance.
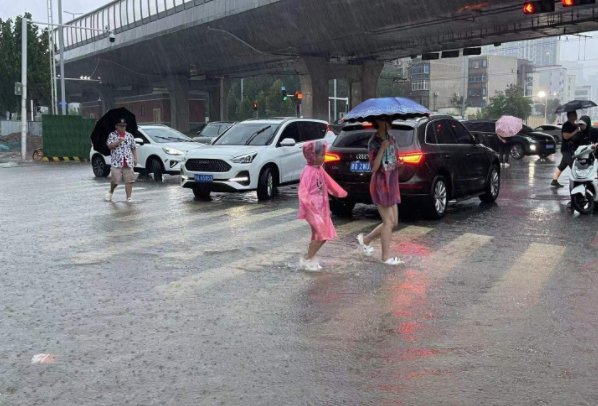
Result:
x=521 y=286
x=193 y=283
x=140 y=244
x=166 y=223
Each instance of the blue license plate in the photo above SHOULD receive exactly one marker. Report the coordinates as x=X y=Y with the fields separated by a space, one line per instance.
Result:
x=358 y=166
x=204 y=178
x=550 y=146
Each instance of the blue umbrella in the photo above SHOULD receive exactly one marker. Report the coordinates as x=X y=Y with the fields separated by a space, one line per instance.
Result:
x=395 y=108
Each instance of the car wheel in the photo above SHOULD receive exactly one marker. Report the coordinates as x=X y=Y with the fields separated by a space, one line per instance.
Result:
x=492 y=188
x=201 y=192
x=157 y=170
x=99 y=167
x=583 y=202
x=437 y=199
x=517 y=151
x=342 y=208
x=266 y=187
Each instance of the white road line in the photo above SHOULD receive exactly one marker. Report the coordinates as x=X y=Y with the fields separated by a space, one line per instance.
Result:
x=193 y=283
x=169 y=223
x=117 y=249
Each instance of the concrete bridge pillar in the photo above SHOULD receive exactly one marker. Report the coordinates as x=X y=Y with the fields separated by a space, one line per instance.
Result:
x=363 y=79
x=365 y=88
x=178 y=88
x=106 y=94
x=314 y=87
x=219 y=100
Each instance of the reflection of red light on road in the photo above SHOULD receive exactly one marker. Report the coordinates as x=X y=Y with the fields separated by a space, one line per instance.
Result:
x=412 y=355
x=409 y=248
x=408 y=330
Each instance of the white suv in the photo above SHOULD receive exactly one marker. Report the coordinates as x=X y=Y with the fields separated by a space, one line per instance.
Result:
x=253 y=155
x=160 y=150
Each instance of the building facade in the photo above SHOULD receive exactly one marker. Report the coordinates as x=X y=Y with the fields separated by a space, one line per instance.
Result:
x=553 y=81
x=488 y=75
x=153 y=108
x=435 y=84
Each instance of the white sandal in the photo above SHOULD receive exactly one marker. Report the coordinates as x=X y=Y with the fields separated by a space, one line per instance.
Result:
x=394 y=261
x=367 y=249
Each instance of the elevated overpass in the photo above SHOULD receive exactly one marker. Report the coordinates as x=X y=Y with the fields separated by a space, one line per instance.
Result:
x=189 y=45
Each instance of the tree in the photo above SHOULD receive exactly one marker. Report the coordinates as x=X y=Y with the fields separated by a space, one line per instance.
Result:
x=553 y=104
x=38 y=63
x=461 y=104
x=510 y=102
x=391 y=83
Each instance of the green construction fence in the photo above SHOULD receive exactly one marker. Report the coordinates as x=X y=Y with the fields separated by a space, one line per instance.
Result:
x=66 y=136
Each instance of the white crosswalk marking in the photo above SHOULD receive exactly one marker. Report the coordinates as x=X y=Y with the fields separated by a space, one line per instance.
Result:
x=165 y=223
x=193 y=283
x=521 y=286
x=243 y=240
x=455 y=252
x=117 y=249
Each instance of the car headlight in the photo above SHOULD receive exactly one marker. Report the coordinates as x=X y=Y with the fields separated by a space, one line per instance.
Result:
x=173 y=151
x=532 y=147
x=244 y=159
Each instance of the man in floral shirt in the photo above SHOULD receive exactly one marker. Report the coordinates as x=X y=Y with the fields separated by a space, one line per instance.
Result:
x=123 y=155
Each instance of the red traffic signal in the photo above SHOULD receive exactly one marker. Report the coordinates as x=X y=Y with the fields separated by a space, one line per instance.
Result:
x=573 y=3
x=536 y=7
x=254 y=106
x=299 y=95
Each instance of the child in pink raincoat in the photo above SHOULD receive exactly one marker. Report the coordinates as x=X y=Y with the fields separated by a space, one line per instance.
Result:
x=314 y=186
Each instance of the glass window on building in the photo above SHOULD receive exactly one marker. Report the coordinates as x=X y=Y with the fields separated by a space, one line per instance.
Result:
x=143 y=110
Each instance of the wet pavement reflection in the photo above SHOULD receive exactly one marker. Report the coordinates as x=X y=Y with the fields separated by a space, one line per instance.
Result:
x=176 y=301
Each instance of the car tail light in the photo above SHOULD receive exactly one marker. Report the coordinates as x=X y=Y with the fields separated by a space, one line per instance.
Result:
x=367 y=125
x=328 y=128
x=330 y=157
x=412 y=158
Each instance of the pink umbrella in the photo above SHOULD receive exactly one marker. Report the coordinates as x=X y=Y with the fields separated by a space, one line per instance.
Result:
x=508 y=126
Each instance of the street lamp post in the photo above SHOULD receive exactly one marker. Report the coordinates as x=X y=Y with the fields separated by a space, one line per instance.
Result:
x=542 y=95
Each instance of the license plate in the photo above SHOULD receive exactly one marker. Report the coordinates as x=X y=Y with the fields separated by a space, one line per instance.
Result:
x=550 y=146
x=204 y=178
x=357 y=166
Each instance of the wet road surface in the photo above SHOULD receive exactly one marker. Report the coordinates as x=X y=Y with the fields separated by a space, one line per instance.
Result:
x=172 y=301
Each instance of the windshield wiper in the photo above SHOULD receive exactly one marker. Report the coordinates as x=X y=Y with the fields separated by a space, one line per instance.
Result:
x=255 y=134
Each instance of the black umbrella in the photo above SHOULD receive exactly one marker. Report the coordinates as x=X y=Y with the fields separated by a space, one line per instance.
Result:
x=574 y=106
x=105 y=125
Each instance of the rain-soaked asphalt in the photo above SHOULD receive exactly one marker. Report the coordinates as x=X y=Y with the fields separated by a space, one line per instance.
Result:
x=171 y=301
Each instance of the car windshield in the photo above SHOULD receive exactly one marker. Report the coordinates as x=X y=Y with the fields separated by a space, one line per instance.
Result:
x=247 y=134
x=165 y=134
x=211 y=130
x=359 y=138
x=526 y=129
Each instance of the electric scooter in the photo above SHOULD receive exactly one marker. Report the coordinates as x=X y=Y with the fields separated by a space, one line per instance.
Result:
x=583 y=184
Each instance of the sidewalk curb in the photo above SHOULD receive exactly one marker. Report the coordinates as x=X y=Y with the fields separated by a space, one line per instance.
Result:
x=63 y=159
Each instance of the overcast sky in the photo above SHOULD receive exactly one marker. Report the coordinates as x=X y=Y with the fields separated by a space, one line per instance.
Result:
x=11 y=8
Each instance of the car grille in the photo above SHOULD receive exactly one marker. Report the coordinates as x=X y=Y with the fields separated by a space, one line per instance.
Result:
x=207 y=165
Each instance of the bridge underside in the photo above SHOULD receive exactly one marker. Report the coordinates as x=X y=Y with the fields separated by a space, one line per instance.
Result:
x=329 y=39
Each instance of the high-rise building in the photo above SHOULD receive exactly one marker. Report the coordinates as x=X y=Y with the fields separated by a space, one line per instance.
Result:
x=541 y=52
x=551 y=80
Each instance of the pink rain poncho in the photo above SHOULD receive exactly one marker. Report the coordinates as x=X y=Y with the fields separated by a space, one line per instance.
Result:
x=314 y=186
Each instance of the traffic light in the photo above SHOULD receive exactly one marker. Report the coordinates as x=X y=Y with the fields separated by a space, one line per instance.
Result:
x=285 y=97
x=573 y=3
x=537 y=7
x=254 y=106
x=298 y=97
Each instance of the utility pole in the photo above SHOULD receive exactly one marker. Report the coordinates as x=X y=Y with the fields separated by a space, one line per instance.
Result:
x=241 y=90
x=334 y=109
x=24 y=91
x=61 y=44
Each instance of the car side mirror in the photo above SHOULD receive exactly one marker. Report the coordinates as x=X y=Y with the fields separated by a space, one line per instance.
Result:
x=139 y=141
x=288 y=142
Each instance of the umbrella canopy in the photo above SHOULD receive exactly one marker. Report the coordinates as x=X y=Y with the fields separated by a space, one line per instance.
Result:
x=395 y=108
x=508 y=126
x=105 y=125
x=575 y=105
